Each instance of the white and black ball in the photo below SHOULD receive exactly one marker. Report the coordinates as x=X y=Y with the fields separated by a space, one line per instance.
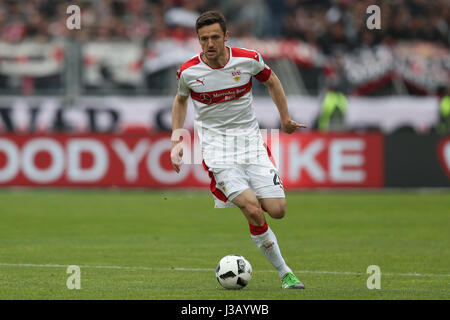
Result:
x=234 y=272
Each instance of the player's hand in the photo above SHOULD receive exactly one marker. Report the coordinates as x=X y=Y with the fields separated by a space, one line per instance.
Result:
x=176 y=156
x=290 y=126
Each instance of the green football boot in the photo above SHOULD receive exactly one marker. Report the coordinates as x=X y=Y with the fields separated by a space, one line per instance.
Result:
x=290 y=281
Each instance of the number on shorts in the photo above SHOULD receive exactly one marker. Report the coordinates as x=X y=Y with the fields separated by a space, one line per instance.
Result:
x=276 y=178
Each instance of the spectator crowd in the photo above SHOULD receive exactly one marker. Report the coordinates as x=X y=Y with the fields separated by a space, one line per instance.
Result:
x=331 y=25
x=132 y=44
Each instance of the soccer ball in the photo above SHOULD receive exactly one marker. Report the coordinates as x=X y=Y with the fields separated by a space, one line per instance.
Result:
x=234 y=272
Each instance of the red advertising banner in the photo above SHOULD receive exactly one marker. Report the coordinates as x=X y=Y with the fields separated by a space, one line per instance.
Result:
x=444 y=154
x=332 y=160
x=138 y=160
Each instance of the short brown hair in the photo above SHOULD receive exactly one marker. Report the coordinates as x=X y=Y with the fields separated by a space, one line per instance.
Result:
x=210 y=17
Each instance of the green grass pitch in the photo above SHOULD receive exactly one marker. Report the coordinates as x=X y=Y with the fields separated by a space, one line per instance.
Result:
x=138 y=244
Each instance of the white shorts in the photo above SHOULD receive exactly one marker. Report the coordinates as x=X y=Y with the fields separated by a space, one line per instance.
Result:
x=262 y=178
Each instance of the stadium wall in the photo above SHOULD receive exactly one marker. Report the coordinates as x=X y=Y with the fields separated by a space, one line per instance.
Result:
x=114 y=142
x=121 y=114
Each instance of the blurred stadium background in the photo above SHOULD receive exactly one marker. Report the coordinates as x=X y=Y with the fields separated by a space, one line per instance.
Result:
x=116 y=75
x=91 y=108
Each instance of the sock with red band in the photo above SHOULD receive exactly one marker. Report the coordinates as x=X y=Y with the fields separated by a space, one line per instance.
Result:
x=266 y=241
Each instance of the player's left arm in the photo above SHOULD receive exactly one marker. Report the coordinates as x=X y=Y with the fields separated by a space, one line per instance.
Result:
x=279 y=98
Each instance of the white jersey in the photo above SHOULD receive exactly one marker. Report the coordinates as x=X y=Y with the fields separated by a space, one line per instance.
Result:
x=224 y=115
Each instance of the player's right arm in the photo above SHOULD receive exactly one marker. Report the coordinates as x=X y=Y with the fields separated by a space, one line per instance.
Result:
x=179 y=110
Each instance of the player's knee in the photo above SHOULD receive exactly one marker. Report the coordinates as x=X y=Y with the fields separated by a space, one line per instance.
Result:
x=278 y=211
x=254 y=214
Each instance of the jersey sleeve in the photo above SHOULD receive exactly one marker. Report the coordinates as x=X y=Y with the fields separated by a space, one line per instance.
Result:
x=260 y=70
x=183 y=89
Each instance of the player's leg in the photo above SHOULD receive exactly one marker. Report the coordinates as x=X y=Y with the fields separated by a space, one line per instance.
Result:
x=250 y=206
x=270 y=193
x=234 y=184
x=275 y=207
x=231 y=182
x=263 y=236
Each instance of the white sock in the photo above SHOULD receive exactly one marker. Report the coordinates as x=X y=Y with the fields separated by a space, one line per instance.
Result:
x=267 y=243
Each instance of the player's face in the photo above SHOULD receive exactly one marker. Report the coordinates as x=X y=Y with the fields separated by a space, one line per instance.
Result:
x=212 y=39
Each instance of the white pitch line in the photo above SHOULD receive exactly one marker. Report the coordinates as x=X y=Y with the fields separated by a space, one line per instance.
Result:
x=51 y=265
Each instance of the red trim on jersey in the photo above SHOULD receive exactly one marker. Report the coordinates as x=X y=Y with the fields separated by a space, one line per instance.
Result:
x=229 y=56
x=269 y=153
x=212 y=186
x=239 y=52
x=222 y=95
x=188 y=64
x=257 y=230
x=264 y=75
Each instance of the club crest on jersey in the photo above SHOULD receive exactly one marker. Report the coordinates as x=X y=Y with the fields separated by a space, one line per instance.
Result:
x=222 y=185
x=236 y=75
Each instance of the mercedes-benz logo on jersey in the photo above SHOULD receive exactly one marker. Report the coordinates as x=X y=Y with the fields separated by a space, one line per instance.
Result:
x=205 y=98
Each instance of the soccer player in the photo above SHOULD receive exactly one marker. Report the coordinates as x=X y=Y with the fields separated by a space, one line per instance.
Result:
x=219 y=81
